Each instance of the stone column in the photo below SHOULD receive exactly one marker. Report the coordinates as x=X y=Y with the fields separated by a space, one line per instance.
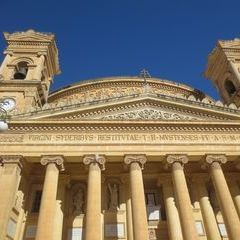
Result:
x=9 y=183
x=182 y=195
x=228 y=210
x=139 y=213
x=129 y=211
x=234 y=183
x=208 y=215
x=173 y=221
x=93 y=228
x=46 y=219
x=235 y=192
x=59 y=215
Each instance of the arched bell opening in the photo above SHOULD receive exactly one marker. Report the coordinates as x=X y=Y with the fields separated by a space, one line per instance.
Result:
x=230 y=88
x=21 y=70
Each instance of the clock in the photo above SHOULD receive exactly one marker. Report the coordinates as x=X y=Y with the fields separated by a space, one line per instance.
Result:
x=7 y=104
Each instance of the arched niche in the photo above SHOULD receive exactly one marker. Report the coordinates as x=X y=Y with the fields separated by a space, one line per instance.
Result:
x=230 y=87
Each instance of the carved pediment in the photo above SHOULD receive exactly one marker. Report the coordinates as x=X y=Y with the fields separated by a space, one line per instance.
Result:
x=29 y=35
x=142 y=108
x=148 y=114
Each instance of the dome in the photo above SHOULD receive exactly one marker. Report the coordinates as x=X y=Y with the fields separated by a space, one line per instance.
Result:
x=111 y=87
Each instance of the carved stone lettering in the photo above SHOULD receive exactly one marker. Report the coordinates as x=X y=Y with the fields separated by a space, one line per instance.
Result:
x=126 y=138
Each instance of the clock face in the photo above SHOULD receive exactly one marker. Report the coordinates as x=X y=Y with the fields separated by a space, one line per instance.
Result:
x=8 y=104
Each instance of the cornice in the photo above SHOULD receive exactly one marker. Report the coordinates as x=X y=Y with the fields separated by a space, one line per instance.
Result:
x=17 y=83
x=185 y=126
x=189 y=106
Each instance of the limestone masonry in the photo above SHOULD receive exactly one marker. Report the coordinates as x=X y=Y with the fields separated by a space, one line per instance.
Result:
x=127 y=158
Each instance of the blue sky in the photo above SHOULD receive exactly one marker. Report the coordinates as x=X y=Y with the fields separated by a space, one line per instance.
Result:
x=171 y=39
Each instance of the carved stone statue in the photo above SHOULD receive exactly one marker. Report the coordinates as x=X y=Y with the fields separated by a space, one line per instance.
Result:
x=78 y=202
x=113 y=197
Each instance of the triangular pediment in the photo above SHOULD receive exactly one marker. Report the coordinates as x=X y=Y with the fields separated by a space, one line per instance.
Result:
x=144 y=108
x=29 y=35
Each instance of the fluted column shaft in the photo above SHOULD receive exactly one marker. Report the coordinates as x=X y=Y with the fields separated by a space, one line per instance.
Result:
x=9 y=183
x=93 y=213
x=139 y=213
x=46 y=219
x=228 y=210
x=173 y=221
x=209 y=219
x=182 y=195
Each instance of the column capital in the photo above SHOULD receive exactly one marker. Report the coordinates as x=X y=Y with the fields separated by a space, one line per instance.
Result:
x=175 y=158
x=95 y=158
x=11 y=159
x=220 y=158
x=214 y=160
x=181 y=158
x=141 y=159
x=57 y=159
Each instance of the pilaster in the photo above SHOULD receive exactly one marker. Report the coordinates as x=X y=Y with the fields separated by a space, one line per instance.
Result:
x=9 y=184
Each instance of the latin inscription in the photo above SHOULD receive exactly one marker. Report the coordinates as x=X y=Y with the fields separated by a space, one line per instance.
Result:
x=128 y=138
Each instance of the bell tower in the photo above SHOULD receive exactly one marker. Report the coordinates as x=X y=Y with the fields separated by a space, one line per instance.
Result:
x=223 y=69
x=27 y=71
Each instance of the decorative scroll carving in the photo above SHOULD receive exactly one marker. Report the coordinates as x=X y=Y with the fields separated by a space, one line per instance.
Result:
x=141 y=159
x=58 y=160
x=216 y=158
x=11 y=159
x=99 y=159
x=182 y=159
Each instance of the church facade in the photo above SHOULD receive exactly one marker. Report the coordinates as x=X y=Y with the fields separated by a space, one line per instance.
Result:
x=130 y=158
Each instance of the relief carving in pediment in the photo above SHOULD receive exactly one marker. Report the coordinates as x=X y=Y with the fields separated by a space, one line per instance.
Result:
x=148 y=114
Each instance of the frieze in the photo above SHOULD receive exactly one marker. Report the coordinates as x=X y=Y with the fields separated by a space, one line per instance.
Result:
x=123 y=138
x=100 y=88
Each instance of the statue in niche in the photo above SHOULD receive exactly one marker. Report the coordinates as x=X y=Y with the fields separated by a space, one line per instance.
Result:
x=78 y=202
x=113 y=196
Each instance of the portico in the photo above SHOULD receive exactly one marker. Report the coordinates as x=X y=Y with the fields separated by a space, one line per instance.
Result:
x=118 y=158
x=178 y=208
